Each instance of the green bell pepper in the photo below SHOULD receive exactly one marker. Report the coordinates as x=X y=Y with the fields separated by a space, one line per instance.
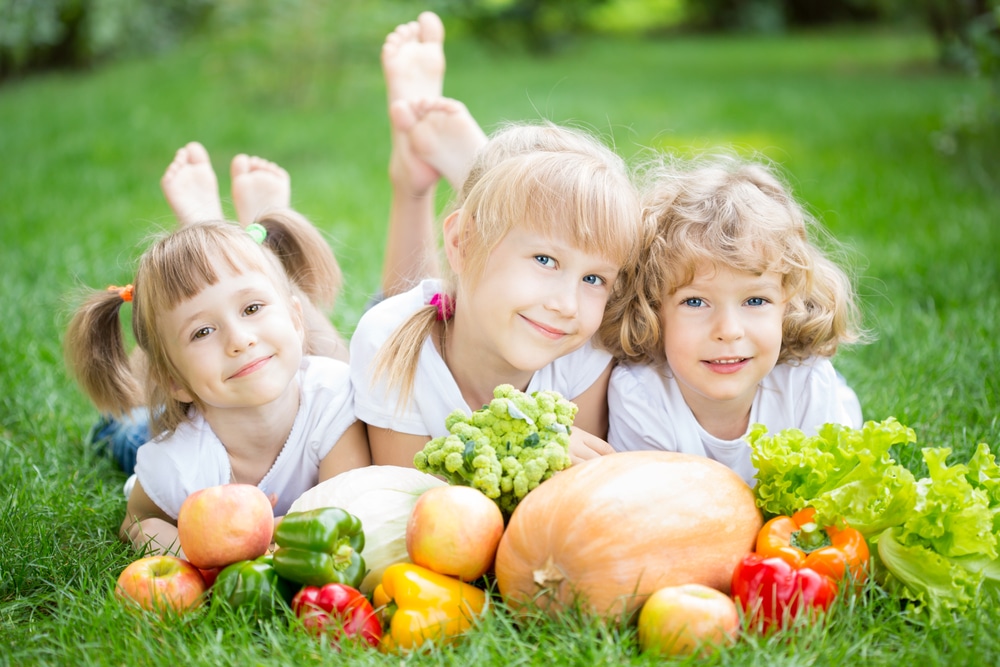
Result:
x=253 y=584
x=320 y=547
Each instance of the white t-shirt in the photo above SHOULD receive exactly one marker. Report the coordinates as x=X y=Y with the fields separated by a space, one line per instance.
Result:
x=193 y=458
x=647 y=410
x=435 y=393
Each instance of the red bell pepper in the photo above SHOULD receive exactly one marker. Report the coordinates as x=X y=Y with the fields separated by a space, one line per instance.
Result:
x=772 y=592
x=339 y=611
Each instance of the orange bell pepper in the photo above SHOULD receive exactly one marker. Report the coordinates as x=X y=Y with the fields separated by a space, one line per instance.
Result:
x=421 y=606
x=800 y=542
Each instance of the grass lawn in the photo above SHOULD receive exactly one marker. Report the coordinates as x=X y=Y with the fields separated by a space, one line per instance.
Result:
x=855 y=119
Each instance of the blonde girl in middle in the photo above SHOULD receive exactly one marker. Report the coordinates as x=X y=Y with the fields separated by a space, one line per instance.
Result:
x=546 y=220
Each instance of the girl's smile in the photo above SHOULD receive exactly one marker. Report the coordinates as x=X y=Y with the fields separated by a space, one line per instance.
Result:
x=726 y=366
x=252 y=367
x=548 y=332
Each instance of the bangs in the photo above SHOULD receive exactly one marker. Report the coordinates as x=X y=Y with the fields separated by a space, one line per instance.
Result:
x=570 y=196
x=752 y=234
x=680 y=267
x=182 y=265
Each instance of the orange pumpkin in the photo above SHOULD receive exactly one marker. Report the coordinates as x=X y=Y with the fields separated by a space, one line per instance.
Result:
x=611 y=531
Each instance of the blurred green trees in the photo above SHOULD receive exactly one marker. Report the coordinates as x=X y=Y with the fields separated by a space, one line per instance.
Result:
x=41 y=34
x=38 y=34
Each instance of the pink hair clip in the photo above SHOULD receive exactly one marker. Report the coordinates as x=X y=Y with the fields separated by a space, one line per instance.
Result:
x=445 y=306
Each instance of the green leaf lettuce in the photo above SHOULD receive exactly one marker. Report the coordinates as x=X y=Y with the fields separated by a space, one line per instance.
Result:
x=947 y=548
x=846 y=474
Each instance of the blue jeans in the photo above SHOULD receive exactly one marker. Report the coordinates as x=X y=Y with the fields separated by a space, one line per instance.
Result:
x=121 y=438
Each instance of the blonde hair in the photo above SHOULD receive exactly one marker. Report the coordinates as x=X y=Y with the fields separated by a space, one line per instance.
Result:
x=176 y=267
x=725 y=211
x=542 y=177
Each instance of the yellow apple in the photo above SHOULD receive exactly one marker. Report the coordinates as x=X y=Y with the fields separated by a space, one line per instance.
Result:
x=221 y=525
x=454 y=530
x=685 y=619
x=161 y=583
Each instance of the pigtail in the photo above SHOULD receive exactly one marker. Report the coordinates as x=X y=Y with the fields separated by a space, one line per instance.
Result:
x=305 y=255
x=396 y=362
x=95 y=354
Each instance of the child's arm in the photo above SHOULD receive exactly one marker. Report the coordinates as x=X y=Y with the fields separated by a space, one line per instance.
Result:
x=591 y=423
x=146 y=524
x=350 y=452
x=392 y=448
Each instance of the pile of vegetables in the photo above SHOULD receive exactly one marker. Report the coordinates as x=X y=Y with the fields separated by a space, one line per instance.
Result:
x=505 y=449
x=680 y=539
x=936 y=539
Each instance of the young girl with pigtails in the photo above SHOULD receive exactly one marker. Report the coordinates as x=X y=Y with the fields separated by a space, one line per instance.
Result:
x=737 y=313
x=233 y=389
x=544 y=224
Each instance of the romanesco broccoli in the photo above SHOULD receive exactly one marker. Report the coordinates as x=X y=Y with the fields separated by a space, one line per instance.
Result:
x=505 y=449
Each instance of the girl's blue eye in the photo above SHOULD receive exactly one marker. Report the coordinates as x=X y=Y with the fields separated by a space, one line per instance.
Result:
x=593 y=280
x=693 y=302
x=756 y=301
x=544 y=260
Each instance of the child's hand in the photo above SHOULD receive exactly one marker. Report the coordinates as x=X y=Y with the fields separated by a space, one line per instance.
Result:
x=584 y=446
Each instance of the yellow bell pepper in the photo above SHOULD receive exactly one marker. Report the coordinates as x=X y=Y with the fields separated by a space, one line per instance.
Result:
x=424 y=606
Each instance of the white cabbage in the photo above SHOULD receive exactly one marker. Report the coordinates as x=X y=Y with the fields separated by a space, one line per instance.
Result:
x=383 y=498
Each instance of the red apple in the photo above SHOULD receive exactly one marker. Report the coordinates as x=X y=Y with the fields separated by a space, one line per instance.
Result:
x=685 y=619
x=454 y=530
x=159 y=583
x=221 y=525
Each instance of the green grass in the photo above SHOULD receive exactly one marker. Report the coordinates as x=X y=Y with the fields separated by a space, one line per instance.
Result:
x=853 y=118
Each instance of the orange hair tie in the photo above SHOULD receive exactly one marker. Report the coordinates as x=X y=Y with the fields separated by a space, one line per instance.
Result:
x=125 y=293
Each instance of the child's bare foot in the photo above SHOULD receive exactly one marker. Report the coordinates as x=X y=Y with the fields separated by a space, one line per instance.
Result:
x=413 y=64
x=441 y=132
x=409 y=174
x=258 y=186
x=190 y=186
x=413 y=59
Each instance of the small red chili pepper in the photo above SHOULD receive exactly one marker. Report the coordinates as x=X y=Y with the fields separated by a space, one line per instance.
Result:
x=339 y=611
x=772 y=592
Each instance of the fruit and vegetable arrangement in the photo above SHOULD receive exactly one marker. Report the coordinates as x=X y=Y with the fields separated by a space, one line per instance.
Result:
x=401 y=559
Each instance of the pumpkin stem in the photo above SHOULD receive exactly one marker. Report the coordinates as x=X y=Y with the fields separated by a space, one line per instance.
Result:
x=550 y=576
